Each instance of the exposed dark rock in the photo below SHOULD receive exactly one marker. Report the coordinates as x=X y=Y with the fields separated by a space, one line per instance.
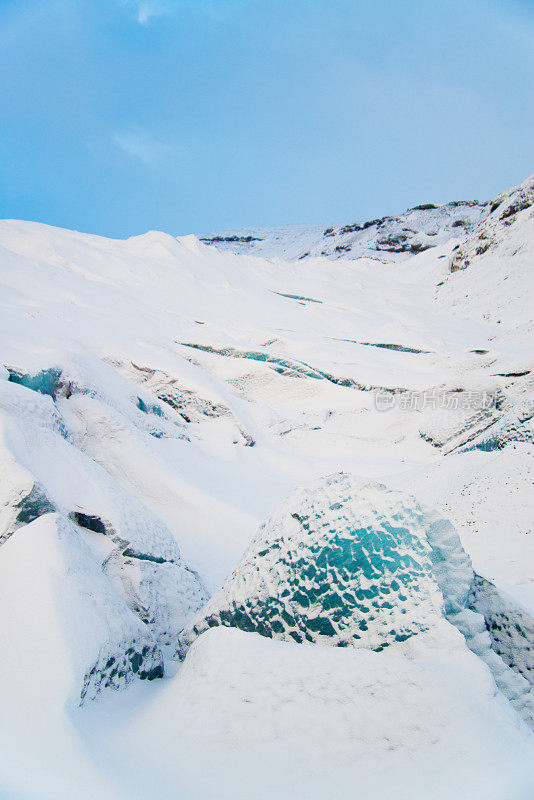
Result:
x=520 y=205
x=393 y=239
x=418 y=247
x=245 y=239
x=511 y=374
x=469 y=203
x=353 y=228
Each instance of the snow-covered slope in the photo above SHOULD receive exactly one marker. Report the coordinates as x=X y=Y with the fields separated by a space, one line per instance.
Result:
x=161 y=398
x=492 y=269
x=388 y=239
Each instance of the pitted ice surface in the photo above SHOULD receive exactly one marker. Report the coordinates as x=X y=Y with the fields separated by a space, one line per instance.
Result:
x=343 y=562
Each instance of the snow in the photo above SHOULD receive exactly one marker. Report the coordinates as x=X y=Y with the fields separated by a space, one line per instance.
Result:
x=58 y=615
x=254 y=717
x=159 y=399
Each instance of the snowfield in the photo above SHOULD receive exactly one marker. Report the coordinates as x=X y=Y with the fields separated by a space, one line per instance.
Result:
x=160 y=399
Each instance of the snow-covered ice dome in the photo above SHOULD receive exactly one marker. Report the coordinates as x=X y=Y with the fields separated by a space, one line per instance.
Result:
x=344 y=561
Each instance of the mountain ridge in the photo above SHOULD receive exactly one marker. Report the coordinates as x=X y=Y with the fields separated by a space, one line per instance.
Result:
x=388 y=239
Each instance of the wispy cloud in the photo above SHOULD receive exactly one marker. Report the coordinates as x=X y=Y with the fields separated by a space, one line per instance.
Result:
x=145 y=11
x=140 y=146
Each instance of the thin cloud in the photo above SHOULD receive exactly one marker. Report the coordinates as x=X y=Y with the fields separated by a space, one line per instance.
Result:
x=147 y=10
x=141 y=147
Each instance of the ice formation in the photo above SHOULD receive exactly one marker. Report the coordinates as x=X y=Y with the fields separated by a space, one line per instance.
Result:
x=510 y=627
x=344 y=562
x=111 y=556
x=348 y=562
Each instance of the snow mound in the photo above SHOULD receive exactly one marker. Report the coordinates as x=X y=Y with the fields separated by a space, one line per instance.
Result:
x=61 y=614
x=414 y=721
x=344 y=562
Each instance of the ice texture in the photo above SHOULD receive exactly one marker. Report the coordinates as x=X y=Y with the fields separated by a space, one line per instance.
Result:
x=510 y=627
x=517 y=425
x=349 y=562
x=164 y=595
x=344 y=562
x=45 y=381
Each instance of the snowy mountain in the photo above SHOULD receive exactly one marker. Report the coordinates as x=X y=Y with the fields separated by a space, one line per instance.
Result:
x=388 y=239
x=309 y=478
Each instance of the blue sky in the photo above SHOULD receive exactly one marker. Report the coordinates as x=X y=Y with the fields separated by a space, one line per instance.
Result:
x=120 y=116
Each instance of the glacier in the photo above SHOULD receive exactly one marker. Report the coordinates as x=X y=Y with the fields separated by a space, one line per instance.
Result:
x=160 y=398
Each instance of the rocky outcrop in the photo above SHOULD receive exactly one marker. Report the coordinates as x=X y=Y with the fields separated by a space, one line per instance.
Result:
x=390 y=238
x=492 y=229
